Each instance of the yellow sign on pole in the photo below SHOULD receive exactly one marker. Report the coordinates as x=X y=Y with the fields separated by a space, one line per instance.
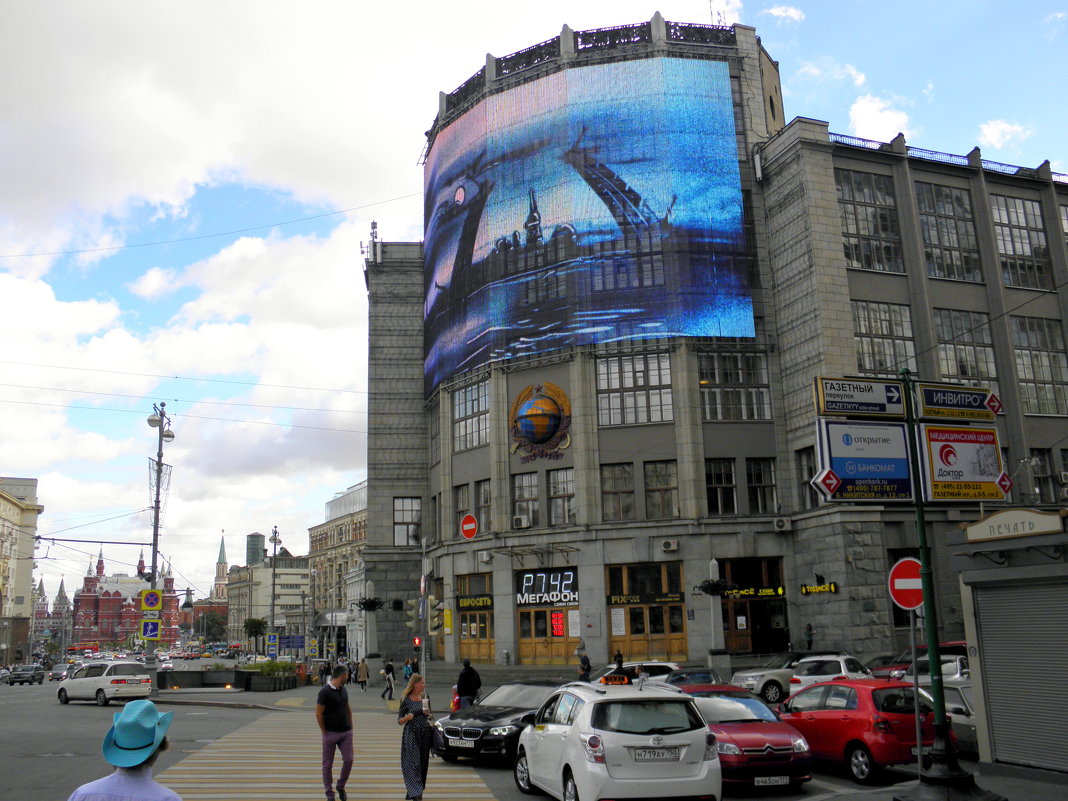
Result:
x=151 y=600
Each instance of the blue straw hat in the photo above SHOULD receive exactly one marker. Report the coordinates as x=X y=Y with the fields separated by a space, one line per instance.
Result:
x=137 y=733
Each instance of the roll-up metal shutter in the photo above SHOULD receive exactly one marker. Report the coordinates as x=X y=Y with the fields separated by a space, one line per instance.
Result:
x=1023 y=649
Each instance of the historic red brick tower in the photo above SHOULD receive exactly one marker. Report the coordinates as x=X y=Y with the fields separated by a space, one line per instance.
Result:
x=107 y=609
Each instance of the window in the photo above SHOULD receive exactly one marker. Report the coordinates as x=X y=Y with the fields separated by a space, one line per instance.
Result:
x=883 y=335
x=950 y=247
x=1041 y=466
x=407 y=513
x=470 y=416
x=634 y=389
x=617 y=492
x=461 y=501
x=562 y=496
x=965 y=348
x=870 y=235
x=1064 y=223
x=433 y=425
x=734 y=386
x=806 y=471
x=661 y=490
x=1021 y=242
x=760 y=478
x=1041 y=365
x=525 y=497
x=483 y=501
x=719 y=485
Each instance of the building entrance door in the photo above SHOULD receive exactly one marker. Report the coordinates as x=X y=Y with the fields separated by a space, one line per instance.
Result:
x=543 y=636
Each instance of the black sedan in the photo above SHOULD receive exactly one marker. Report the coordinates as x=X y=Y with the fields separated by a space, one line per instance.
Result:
x=491 y=727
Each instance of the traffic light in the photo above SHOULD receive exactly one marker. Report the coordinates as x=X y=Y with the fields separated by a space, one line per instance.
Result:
x=412 y=610
x=417 y=641
x=433 y=614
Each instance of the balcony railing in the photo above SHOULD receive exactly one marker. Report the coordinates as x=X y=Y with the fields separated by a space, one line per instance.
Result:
x=608 y=38
x=701 y=34
x=529 y=57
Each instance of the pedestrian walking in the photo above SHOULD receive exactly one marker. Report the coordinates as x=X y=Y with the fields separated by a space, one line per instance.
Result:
x=361 y=674
x=414 y=715
x=585 y=666
x=407 y=669
x=809 y=634
x=387 y=673
x=468 y=684
x=334 y=716
x=324 y=674
x=132 y=745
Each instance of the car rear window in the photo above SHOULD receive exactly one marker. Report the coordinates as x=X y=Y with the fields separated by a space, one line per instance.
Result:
x=898 y=701
x=819 y=667
x=646 y=716
x=131 y=669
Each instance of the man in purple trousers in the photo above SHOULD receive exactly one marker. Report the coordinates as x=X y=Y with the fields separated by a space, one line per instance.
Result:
x=334 y=716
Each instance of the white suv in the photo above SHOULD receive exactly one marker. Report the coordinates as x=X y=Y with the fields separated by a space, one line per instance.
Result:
x=814 y=669
x=103 y=681
x=593 y=741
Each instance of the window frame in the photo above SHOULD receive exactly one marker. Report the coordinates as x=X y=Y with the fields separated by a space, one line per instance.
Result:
x=618 y=493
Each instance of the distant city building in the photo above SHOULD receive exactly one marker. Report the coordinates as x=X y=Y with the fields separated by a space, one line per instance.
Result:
x=249 y=587
x=19 y=512
x=335 y=548
x=107 y=609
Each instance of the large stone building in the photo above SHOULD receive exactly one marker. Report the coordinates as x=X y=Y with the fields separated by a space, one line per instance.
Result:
x=267 y=581
x=587 y=400
x=107 y=609
x=334 y=551
x=19 y=512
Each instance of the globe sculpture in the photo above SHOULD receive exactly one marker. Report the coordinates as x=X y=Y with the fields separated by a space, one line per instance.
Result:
x=538 y=419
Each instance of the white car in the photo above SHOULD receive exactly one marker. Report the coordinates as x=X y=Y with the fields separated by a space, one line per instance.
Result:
x=654 y=669
x=591 y=741
x=104 y=681
x=814 y=669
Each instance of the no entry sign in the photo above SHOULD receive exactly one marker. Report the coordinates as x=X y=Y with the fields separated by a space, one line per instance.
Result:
x=469 y=526
x=906 y=587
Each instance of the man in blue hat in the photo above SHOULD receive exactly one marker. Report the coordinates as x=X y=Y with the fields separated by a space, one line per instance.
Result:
x=132 y=745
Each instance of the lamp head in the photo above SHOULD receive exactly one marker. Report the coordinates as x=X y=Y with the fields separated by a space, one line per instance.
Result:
x=168 y=435
x=154 y=420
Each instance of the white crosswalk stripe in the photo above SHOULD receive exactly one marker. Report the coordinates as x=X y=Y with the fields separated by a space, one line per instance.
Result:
x=278 y=757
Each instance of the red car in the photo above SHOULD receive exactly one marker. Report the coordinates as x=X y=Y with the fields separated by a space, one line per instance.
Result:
x=866 y=723
x=896 y=669
x=755 y=747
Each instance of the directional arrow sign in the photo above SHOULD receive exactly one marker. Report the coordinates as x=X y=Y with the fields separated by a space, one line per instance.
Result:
x=952 y=401
x=826 y=482
x=1005 y=482
x=860 y=397
x=906 y=586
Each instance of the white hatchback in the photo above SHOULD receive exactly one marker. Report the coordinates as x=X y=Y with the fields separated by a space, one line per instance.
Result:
x=104 y=681
x=593 y=741
x=814 y=669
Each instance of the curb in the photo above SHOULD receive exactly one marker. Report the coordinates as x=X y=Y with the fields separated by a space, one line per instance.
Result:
x=225 y=704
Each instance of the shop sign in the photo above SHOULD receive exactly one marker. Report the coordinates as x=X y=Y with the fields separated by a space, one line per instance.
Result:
x=961 y=463
x=1014 y=523
x=646 y=598
x=446 y=617
x=754 y=592
x=863 y=461
x=815 y=589
x=465 y=602
x=556 y=586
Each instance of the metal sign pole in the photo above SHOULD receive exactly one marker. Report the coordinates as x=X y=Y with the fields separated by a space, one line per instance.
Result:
x=916 y=691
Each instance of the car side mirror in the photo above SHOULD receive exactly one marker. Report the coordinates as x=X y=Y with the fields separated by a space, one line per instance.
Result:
x=956 y=710
x=528 y=719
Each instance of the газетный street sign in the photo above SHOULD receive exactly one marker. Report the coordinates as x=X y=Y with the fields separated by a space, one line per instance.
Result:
x=860 y=397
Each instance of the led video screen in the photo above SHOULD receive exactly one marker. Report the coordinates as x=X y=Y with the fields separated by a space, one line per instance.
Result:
x=596 y=204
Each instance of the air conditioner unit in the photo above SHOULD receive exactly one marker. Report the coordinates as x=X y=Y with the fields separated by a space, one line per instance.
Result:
x=669 y=545
x=782 y=524
x=485 y=557
x=1064 y=477
x=520 y=521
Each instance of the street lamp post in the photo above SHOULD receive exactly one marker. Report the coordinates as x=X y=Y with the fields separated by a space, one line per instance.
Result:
x=275 y=539
x=161 y=422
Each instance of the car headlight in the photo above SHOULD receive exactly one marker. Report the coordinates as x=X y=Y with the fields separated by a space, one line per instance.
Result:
x=503 y=731
x=755 y=679
x=728 y=748
x=800 y=744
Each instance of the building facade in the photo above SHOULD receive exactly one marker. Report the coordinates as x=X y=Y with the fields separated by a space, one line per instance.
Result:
x=19 y=512
x=334 y=551
x=279 y=581
x=106 y=609
x=568 y=473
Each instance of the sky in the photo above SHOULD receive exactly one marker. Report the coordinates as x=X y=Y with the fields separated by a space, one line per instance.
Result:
x=185 y=190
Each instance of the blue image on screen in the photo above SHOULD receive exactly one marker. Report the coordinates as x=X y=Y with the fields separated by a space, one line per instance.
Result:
x=596 y=204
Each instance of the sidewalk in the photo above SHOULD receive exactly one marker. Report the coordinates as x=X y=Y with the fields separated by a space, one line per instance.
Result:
x=1011 y=782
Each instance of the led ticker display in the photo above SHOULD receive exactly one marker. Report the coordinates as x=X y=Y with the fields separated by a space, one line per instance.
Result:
x=557 y=624
x=596 y=204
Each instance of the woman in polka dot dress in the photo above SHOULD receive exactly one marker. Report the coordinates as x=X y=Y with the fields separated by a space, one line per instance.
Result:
x=414 y=715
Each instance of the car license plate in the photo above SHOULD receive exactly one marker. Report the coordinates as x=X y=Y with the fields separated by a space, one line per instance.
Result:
x=926 y=750
x=656 y=754
x=461 y=743
x=764 y=781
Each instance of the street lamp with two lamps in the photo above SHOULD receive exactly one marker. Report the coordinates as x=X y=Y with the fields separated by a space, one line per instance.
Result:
x=162 y=423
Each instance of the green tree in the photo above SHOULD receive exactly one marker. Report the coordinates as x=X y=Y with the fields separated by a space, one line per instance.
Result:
x=255 y=627
x=212 y=626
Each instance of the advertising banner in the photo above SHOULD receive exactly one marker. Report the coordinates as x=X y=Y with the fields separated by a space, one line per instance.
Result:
x=867 y=461
x=961 y=463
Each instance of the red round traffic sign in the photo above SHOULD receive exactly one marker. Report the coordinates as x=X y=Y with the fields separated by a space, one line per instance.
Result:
x=906 y=586
x=469 y=526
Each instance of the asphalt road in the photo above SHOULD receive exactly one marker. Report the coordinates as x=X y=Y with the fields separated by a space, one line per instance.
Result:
x=47 y=750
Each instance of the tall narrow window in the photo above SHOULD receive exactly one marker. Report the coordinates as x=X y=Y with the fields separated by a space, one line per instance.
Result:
x=433 y=427
x=965 y=347
x=870 y=235
x=720 y=486
x=734 y=386
x=484 y=500
x=661 y=490
x=950 y=247
x=808 y=497
x=760 y=478
x=1021 y=241
x=617 y=492
x=461 y=502
x=883 y=336
x=1041 y=365
x=525 y=497
x=470 y=416
x=634 y=389
x=562 y=496
x=1041 y=467
x=407 y=515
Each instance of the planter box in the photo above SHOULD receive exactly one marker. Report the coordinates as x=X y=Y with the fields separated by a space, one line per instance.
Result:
x=219 y=678
x=257 y=683
x=184 y=679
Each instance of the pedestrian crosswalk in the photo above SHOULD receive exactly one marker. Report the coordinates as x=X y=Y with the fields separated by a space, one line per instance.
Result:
x=278 y=757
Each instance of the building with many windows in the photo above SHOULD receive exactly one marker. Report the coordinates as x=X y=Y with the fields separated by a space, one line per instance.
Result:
x=591 y=386
x=19 y=512
x=334 y=551
x=269 y=581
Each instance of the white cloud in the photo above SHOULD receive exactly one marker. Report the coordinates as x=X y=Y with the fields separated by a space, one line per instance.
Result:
x=785 y=13
x=876 y=118
x=928 y=91
x=153 y=284
x=1055 y=23
x=1001 y=133
x=827 y=69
